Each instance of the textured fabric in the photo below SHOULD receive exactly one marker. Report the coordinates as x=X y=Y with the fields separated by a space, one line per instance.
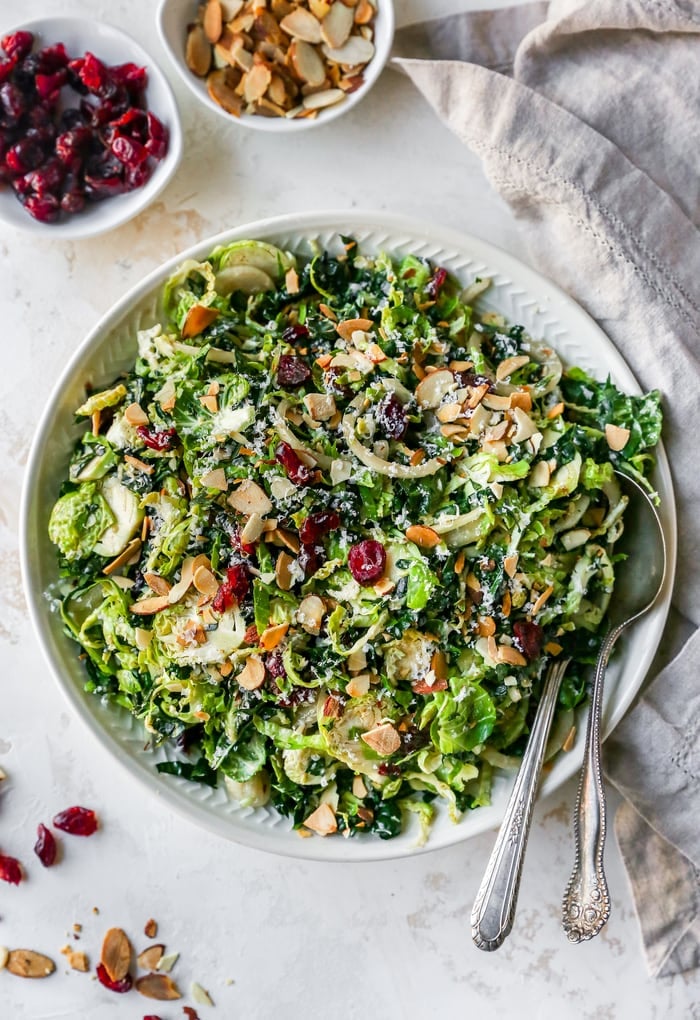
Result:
x=587 y=118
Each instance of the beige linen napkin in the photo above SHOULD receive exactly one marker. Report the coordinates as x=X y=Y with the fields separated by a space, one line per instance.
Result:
x=587 y=118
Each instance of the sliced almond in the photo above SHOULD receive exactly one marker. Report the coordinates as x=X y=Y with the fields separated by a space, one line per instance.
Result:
x=142 y=638
x=510 y=365
x=139 y=465
x=422 y=536
x=449 y=412
x=131 y=550
x=320 y=100
x=555 y=411
x=210 y=402
x=322 y=821
x=222 y=93
x=616 y=436
x=271 y=637
x=157 y=584
x=306 y=63
x=150 y=958
x=320 y=8
x=183 y=585
x=383 y=586
x=198 y=51
x=197 y=320
x=431 y=390
x=213 y=21
x=147 y=607
x=257 y=81
x=522 y=399
x=310 y=614
x=248 y=498
x=486 y=626
x=358 y=686
x=496 y=402
x=27 y=963
x=116 y=954
x=78 y=961
x=135 y=415
x=321 y=406
x=327 y=312
x=302 y=24
x=524 y=425
x=253 y=529
x=291 y=281
x=539 y=475
x=282 y=572
x=364 y=12
x=205 y=582
x=510 y=564
x=252 y=675
x=506 y=653
x=359 y=789
x=355 y=51
x=157 y=986
x=166 y=395
x=215 y=479
x=337 y=25
x=200 y=995
x=383 y=739
x=541 y=599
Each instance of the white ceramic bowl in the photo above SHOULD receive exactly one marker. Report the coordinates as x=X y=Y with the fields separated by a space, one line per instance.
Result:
x=112 y=46
x=519 y=293
x=175 y=15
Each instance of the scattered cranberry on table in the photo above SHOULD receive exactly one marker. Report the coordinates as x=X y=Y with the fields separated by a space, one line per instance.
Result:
x=45 y=846
x=10 y=870
x=56 y=157
x=77 y=821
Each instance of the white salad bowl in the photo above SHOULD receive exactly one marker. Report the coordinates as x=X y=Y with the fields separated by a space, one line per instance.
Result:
x=519 y=293
x=112 y=46
x=175 y=15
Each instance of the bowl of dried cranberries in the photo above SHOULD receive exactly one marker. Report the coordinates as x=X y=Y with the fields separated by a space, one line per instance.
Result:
x=89 y=128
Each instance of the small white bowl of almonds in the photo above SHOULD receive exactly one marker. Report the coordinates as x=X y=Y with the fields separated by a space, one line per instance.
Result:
x=278 y=65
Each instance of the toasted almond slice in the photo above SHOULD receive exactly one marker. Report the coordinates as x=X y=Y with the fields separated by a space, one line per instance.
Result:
x=282 y=572
x=116 y=954
x=486 y=626
x=364 y=12
x=183 y=585
x=135 y=415
x=306 y=63
x=95 y=422
x=221 y=92
x=205 y=582
x=78 y=961
x=197 y=320
x=242 y=23
x=522 y=399
x=310 y=614
x=539 y=603
x=358 y=686
x=383 y=739
x=553 y=648
x=253 y=529
x=495 y=432
x=27 y=963
x=506 y=653
x=351 y=84
x=510 y=564
x=278 y=94
x=438 y=664
x=140 y=465
x=449 y=412
x=322 y=821
x=431 y=390
x=213 y=21
x=147 y=607
x=347 y=327
x=252 y=675
x=510 y=365
x=198 y=51
x=257 y=81
x=459 y=562
x=616 y=436
x=200 y=995
x=319 y=8
x=291 y=281
x=496 y=402
x=166 y=395
x=157 y=986
x=131 y=550
x=327 y=312
x=555 y=411
x=210 y=402
x=157 y=584
x=240 y=56
x=302 y=24
x=524 y=425
x=506 y=604
x=384 y=585
x=354 y=52
x=248 y=498
x=422 y=536
x=359 y=789
x=320 y=100
x=337 y=25
x=321 y=406
x=150 y=957
x=539 y=475
x=143 y=638
x=271 y=637
x=215 y=479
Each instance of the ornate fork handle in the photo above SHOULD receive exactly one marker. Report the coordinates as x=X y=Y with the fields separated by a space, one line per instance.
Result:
x=494 y=907
x=586 y=905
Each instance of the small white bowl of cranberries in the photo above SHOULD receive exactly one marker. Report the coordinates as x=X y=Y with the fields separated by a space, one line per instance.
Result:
x=89 y=128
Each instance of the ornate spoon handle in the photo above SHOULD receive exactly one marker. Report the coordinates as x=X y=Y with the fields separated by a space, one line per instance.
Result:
x=494 y=907
x=586 y=905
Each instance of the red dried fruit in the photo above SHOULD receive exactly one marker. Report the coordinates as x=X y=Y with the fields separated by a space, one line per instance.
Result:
x=123 y=985
x=317 y=525
x=436 y=283
x=44 y=209
x=47 y=180
x=297 y=471
x=423 y=687
x=94 y=75
x=26 y=155
x=310 y=558
x=13 y=103
x=130 y=76
x=471 y=379
x=244 y=548
x=77 y=821
x=136 y=176
x=367 y=560
x=72 y=201
x=292 y=371
x=190 y=1012
x=386 y=769
x=129 y=151
x=133 y=123
x=72 y=145
x=17 y=44
x=45 y=846
x=294 y=333
x=6 y=69
x=10 y=870
x=157 y=144
x=274 y=665
x=528 y=638
x=391 y=417
x=48 y=86
x=151 y=1016
x=51 y=59
x=165 y=439
x=233 y=589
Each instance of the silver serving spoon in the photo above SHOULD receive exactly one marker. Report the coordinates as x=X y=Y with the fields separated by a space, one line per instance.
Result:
x=494 y=907
x=639 y=580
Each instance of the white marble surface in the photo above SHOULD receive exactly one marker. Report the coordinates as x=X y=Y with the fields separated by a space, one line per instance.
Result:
x=293 y=939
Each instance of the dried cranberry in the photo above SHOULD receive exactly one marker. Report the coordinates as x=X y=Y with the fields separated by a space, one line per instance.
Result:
x=131 y=76
x=296 y=471
x=123 y=985
x=528 y=637
x=190 y=1012
x=77 y=821
x=157 y=144
x=133 y=123
x=72 y=201
x=10 y=870
x=413 y=739
x=294 y=333
x=332 y=385
x=70 y=119
x=95 y=76
x=12 y=101
x=17 y=44
x=152 y=1016
x=471 y=379
x=165 y=439
x=45 y=209
x=387 y=769
x=48 y=86
x=47 y=180
x=317 y=525
x=436 y=283
x=129 y=151
x=292 y=371
x=391 y=417
x=310 y=558
x=244 y=548
x=72 y=144
x=24 y=156
x=45 y=846
x=6 y=69
x=233 y=589
x=367 y=560
x=275 y=666
x=51 y=59
x=297 y=696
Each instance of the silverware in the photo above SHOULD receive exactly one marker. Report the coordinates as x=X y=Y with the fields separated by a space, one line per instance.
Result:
x=586 y=905
x=494 y=907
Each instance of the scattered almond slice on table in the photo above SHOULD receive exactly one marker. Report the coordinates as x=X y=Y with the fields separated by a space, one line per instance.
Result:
x=290 y=61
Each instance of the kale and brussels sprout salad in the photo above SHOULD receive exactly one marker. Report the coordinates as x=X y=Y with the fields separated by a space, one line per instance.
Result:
x=325 y=536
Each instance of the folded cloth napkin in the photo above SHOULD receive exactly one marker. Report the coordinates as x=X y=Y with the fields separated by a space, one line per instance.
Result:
x=586 y=114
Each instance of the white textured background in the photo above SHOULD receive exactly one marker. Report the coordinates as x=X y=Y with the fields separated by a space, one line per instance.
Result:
x=296 y=940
